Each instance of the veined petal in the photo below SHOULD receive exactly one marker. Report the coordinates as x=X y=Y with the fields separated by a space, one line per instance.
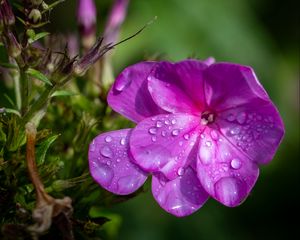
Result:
x=229 y=85
x=129 y=95
x=163 y=143
x=182 y=196
x=224 y=171
x=178 y=87
x=111 y=165
x=255 y=128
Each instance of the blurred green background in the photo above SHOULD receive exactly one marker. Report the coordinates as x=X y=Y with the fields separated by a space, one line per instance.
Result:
x=261 y=33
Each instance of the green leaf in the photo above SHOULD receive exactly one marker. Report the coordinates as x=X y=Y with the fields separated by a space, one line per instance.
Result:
x=8 y=65
x=21 y=20
x=37 y=36
x=51 y=6
x=13 y=111
x=43 y=148
x=38 y=75
x=63 y=93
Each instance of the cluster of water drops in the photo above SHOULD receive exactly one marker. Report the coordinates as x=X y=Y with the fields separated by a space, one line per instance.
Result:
x=248 y=128
x=108 y=156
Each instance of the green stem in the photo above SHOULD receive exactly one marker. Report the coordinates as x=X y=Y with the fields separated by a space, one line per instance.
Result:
x=25 y=90
x=16 y=78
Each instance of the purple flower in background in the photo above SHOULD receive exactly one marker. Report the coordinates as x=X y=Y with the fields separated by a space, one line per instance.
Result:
x=202 y=130
x=116 y=17
x=86 y=17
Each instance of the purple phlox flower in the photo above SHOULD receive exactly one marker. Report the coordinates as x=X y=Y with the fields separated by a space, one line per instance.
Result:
x=87 y=17
x=116 y=18
x=202 y=130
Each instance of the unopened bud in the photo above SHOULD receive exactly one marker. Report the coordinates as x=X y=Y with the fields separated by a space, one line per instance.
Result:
x=12 y=45
x=86 y=17
x=35 y=15
x=7 y=14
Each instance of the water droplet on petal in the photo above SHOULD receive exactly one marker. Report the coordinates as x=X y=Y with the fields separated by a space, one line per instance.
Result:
x=205 y=155
x=118 y=160
x=202 y=135
x=235 y=163
x=153 y=138
x=173 y=121
x=241 y=117
x=235 y=131
x=180 y=143
x=186 y=136
x=208 y=143
x=108 y=139
x=214 y=135
x=106 y=152
x=230 y=117
x=163 y=133
x=159 y=124
x=167 y=122
x=230 y=191
x=92 y=146
x=175 y=132
x=122 y=84
x=108 y=162
x=153 y=130
x=103 y=173
x=180 y=171
x=128 y=184
x=123 y=141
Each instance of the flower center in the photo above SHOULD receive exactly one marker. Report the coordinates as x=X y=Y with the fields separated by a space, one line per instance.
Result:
x=207 y=117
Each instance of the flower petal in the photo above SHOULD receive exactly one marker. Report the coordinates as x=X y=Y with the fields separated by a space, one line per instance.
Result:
x=129 y=95
x=110 y=163
x=255 y=128
x=163 y=143
x=229 y=85
x=182 y=196
x=178 y=87
x=224 y=171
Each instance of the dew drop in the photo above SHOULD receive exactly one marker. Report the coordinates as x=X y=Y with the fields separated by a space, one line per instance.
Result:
x=123 y=141
x=128 y=183
x=186 y=136
x=180 y=171
x=208 y=143
x=202 y=135
x=214 y=134
x=167 y=122
x=235 y=131
x=153 y=130
x=175 y=132
x=92 y=146
x=153 y=138
x=230 y=117
x=108 y=139
x=241 y=117
x=230 y=191
x=122 y=84
x=163 y=133
x=180 y=143
x=118 y=160
x=235 y=163
x=108 y=163
x=103 y=174
x=106 y=152
x=173 y=121
x=159 y=124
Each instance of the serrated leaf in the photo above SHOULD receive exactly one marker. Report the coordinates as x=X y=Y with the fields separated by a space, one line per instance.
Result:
x=38 y=36
x=63 y=93
x=38 y=75
x=8 y=65
x=43 y=148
